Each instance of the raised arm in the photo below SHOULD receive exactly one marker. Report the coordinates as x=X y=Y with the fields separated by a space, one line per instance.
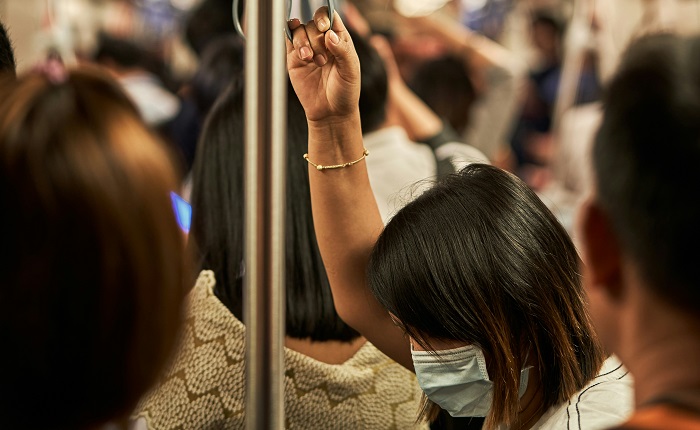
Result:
x=325 y=72
x=495 y=70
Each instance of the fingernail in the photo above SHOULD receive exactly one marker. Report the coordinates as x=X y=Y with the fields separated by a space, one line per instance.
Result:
x=305 y=53
x=320 y=60
x=334 y=37
x=323 y=24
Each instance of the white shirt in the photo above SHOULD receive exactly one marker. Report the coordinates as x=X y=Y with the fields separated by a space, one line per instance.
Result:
x=606 y=402
x=156 y=104
x=399 y=169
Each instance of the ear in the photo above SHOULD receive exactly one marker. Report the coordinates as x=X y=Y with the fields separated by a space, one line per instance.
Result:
x=600 y=250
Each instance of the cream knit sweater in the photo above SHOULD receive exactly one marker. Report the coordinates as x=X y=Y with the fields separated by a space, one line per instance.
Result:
x=203 y=389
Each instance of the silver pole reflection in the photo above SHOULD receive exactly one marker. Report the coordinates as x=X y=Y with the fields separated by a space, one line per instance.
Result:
x=264 y=306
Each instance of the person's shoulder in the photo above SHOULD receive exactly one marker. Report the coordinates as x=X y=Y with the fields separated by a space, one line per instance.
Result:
x=611 y=370
x=608 y=400
x=203 y=385
x=398 y=157
x=360 y=393
x=461 y=154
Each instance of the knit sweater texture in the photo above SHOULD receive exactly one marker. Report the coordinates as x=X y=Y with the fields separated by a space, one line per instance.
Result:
x=204 y=386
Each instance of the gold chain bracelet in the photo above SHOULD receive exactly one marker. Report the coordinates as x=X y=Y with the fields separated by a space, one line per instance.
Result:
x=320 y=167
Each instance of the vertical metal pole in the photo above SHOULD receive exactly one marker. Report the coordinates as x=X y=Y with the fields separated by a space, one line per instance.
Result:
x=264 y=310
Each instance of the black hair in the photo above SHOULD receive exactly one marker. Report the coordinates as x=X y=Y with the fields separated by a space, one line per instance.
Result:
x=128 y=54
x=122 y=52
x=445 y=86
x=479 y=258
x=549 y=19
x=217 y=225
x=7 y=55
x=374 y=89
x=221 y=66
x=646 y=158
x=209 y=21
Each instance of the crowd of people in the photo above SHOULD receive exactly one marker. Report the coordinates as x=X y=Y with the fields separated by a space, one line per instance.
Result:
x=426 y=285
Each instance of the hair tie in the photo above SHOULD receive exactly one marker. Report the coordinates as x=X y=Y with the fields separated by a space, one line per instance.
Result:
x=53 y=69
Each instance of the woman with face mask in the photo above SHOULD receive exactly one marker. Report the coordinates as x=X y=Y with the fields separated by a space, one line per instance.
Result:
x=474 y=285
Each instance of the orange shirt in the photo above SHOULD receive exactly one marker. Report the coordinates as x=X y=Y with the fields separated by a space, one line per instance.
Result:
x=662 y=417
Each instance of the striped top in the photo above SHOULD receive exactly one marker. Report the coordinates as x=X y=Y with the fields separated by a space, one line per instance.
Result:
x=607 y=401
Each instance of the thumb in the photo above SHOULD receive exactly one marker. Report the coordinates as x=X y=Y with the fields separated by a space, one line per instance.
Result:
x=339 y=45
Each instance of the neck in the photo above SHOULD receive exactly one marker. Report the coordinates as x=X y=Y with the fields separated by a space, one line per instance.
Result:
x=531 y=403
x=662 y=352
x=329 y=352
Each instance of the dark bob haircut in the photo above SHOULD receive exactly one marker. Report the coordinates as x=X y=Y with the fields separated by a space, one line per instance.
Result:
x=646 y=159
x=445 y=86
x=217 y=228
x=221 y=67
x=480 y=259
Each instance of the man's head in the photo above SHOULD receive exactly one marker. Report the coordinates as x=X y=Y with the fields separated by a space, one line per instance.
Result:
x=208 y=22
x=445 y=86
x=547 y=32
x=375 y=86
x=7 y=56
x=642 y=227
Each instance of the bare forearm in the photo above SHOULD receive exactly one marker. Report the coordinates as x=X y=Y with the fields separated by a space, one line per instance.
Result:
x=478 y=51
x=419 y=121
x=325 y=72
x=346 y=216
x=347 y=224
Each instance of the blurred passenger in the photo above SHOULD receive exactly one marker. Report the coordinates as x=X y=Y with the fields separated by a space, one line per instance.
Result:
x=7 y=55
x=480 y=101
x=128 y=63
x=532 y=141
x=397 y=162
x=445 y=85
x=92 y=257
x=221 y=66
x=399 y=167
x=640 y=229
x=209 y=21
x=334 y=378
x=474 y=285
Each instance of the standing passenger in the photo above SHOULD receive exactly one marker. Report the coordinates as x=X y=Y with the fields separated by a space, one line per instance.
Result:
x=400 y=167
x=474 y=285
x=640 y=230
x=334 y=378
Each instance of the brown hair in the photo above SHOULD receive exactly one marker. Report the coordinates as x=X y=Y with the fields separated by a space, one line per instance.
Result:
x=92 y=258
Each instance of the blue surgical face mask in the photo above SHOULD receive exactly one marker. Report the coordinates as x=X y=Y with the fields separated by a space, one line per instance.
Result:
x=457 y=380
